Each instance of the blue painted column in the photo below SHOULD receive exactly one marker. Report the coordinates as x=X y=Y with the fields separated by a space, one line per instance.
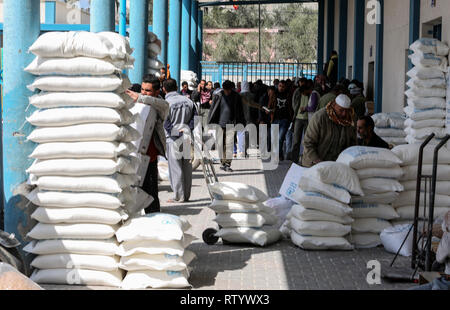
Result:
x=414 y=23
x=193 y=62
x=123 y=18
x=160 y=20
x=50 y=12
x=175 y=39
x=343 y=14
x=330 y=28
x=185 y=34
x=20 y=29
x=103 y=15
x=200 y=43
x=358 y=52
x=379 y=60
x=138 y=39
x=320 y=36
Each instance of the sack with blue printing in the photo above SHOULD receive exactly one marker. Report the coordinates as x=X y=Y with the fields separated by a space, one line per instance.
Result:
x=361 y=157
x=430 y=45
x=423 y=114
x=425 y=73
x=380 y=185
x=309 y=184
x=336 y=173
x=421 y=103
x=420 y=59
x=383 y=198
x=373 y=210
x=434 y=122
x=305 y=214
x=318 y=201
x=388 y=173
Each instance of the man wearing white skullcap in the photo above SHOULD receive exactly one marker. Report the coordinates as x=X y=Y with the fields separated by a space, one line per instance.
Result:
x=330 y=131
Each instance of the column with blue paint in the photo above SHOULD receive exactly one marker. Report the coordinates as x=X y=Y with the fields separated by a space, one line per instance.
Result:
x=193 y=62
x=358 y=53
x=414 y=24
x=138 y=39
x=200 y=42
x=50 y=12
x=320 y=36
x=343 y=14
x=20 y=29
x=379 y=59
x=330 y=28
x=160 y=20
x=103 y=15
x=123 y=17
x=185 y=34
x=174 y=56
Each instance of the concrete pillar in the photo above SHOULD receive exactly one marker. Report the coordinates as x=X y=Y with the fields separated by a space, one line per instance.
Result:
x=379 y=60
x=103 y=15
x=138 y=39
x=200 y=42
x=123 y=17
x=50 y=12
x=320 y=37
x=174 y=56
x=414 y=24
x=358 y=53
x=20 y=29
x=193 y=62
x=330 y=28
x=160 y=20
x=185 y=34
x=343 y=14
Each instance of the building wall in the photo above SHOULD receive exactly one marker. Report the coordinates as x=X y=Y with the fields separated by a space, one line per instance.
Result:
x=370 y=43
x=336 y=25
x=350 y=34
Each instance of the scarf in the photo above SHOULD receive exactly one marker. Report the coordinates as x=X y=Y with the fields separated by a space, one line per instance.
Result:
x=343 y=122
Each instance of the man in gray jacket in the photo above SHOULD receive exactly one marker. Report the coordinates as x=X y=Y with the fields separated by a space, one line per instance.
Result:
x=179 y=125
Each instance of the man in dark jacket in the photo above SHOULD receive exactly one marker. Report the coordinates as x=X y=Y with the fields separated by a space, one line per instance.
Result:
x=366 y=135
x=226 y=109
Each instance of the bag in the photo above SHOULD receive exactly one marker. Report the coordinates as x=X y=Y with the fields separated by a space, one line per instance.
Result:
x=427 y=83
x=423 y=133
x=236 y=191
x=382 y=198
x=230 y=206
x=228 y=220
x=416 y=92
x=77 y=277
x=429 y=45
x=46 y=100
x=390 y=132
x=389 y=120
x=77 y=215
x=407 y=212
x=74 y=116
x=304 y=214
x=84 y=132
x=67 y=246
x=424 y=123
x=154 y=64
x=154 y=48
x=142 y=201
x=422 y=103
x=370 y=225
x=320 y=243
x=387 y=173
x=263 y=236
x=425 y=73
x=423 y=114
x=364 y=240
x=421 y=59
x=144 y=121
x=309 y=184
x=336 y=173
x=442 y=187
x=154 y=226
x=107 y=83
x=317 y=201
x=79 y=261
x=395 y=140
x=319 y=228
x=362 y=157
x=157 y=262
x=442 y=173
x=381 y=211
x=380 y=185
x=72 y=231
x=155 y=279
x=153 y=247
x=393 y=238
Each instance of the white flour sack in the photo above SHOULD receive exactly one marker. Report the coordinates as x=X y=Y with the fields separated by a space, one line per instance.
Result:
x=77 y=215
x=73 y=116
x=390 y=132
x=380 y=185
x=361 y=157
x=309 y=184
x=84 y=132
x=228 y=220
x=319 y=228
x=142 y=279
x=320 y=243
x=423 y=133
x=72 y=231
x=304 y=214
x=393 y=238
x=389 y=173
x=71 y=66
x=409 y=199
x=426 y=103
x=427 y=83
x=442 y=187
x=263 y=236
x=68 y=246
x=429 y=60
x=81 y=43
x=389 y=120
x=160 y=226
x=228 y=206
x=383 y=198
x=118 y=83
x=423 y=114
x=430 y=45
x=434 y=122
x=81 y=261
x=371 y=210
x=370 y=225
x=442 y=172
x=321 y=202
x=114 y=184
x=336 y=173
x=153 y=247
x=157 y=262
x=236 y=191
x=155 y=64
x=425 y=73
x=154 y=48
x=78 y=277
x=364 y=240
x=95 y=149
x=407 y=212
x=46 y=100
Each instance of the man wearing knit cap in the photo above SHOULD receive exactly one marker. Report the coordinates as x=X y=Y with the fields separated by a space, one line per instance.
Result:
x=358 y=100
x=330 y=131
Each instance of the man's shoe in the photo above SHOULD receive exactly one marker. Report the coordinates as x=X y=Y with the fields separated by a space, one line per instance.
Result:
x=228 y=169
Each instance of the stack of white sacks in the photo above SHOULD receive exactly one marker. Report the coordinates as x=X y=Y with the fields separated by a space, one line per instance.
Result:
x=405 y=204
x=390 y=127
x=153 y=252
x=321 y=217
x=427 y=91
x=242 y=215
x=190 y=77
x=378 y=171
x=83 y=169
x=154 y=49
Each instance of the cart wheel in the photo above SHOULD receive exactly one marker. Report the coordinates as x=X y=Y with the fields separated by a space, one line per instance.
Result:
x=208 y=236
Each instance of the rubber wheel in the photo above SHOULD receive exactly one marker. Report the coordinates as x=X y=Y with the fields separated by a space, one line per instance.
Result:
x=208 y=236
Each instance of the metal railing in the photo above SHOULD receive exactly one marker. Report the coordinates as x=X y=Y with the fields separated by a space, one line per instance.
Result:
x=253 y=71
